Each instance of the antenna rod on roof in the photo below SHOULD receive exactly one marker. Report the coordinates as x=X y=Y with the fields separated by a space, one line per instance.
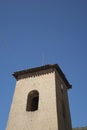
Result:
x=43 y=59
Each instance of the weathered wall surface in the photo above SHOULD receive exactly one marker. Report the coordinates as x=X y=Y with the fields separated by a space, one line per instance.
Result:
x=63 y=111
x=45 y=118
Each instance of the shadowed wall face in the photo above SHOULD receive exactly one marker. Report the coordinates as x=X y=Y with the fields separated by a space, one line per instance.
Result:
x=63 y=111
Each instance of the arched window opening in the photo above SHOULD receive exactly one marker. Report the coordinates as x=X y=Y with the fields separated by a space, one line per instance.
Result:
x=32 y=101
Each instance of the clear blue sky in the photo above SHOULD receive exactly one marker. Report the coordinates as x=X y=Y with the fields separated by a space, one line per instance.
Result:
x=33 y=32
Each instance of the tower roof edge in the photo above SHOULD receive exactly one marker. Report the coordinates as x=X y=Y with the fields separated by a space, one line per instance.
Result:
x=42 y=68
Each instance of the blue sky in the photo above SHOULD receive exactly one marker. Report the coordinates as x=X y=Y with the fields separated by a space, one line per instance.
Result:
x=37 y=32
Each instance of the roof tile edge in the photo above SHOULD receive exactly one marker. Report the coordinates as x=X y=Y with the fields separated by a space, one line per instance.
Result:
x=42 y=68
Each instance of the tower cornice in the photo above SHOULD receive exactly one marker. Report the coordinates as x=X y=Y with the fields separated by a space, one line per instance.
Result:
x=42 y=70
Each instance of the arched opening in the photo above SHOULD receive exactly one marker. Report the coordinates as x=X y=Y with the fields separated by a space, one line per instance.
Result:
x=32 y=101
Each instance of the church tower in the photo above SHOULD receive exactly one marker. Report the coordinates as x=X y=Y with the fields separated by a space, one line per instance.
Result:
x=40 y=100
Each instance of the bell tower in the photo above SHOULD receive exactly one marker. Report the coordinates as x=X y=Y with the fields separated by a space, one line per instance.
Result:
x=40 y=100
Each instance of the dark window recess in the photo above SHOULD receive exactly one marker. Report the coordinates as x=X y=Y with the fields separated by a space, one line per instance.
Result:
x=34 y=105
x=32 y=101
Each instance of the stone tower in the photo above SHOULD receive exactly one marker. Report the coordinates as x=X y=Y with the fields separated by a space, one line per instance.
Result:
x=40 y=100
